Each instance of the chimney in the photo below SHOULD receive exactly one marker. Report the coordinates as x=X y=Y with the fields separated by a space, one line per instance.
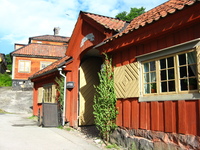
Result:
x=56 y=30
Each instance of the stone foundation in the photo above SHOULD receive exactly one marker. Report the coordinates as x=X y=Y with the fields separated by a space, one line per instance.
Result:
x=24 y=85
x=153 y=140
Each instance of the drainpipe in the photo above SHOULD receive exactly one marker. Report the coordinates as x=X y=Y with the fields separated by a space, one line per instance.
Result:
x=64 y=105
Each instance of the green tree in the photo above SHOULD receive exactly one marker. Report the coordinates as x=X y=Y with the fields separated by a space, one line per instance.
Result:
x=105 y=111
x=9 y=62
x=134 y=12
x=5 y=80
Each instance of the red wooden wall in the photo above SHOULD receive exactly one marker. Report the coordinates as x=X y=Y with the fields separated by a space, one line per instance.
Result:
x=40 y=83
x=181 y=116
x=35 y=66
x=168 y=116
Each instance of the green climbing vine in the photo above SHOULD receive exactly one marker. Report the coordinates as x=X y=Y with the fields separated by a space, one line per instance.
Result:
x=60 y=88
x=105 y=111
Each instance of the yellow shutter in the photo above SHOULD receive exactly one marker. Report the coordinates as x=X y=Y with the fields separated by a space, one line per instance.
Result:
x=118 y=81
x=53 y=96
x=40 y=94
x=126 y=80
x=198 y=66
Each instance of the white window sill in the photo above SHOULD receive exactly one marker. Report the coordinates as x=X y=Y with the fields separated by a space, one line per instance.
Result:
x=190 y=96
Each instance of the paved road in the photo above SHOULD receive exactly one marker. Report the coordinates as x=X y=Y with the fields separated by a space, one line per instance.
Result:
x=19 y=133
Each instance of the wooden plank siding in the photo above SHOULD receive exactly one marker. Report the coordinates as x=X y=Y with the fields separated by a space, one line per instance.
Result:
x=167 y=116
x=88 y=77
x=180 y=116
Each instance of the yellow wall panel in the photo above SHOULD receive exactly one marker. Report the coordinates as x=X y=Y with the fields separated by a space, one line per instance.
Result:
x=126 y=81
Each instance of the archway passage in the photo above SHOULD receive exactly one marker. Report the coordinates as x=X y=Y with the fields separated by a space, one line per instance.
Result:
x=88 y=74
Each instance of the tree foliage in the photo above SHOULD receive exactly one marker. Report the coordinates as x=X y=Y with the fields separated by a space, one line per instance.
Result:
x=134 y=12
x=5 y=80
x=9 y=62
x=105 y=112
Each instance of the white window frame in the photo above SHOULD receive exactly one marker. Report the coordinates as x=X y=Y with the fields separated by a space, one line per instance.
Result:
x=175 y=78
x=190 y=45
x=24 y=66
x=45 y=63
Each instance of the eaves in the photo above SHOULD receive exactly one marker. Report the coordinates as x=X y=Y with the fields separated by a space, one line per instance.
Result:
x=36 y=56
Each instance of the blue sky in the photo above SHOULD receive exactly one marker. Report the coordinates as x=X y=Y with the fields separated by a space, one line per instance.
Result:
x=21 y=19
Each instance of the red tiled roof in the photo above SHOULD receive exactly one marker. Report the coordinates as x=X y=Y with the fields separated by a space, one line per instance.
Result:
x=36 y=49
x=51 y=68
x=51 y=38
x=107 y=22
x=155 y=14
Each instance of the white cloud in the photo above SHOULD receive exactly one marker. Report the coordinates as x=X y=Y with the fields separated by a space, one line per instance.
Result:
x=21 y=19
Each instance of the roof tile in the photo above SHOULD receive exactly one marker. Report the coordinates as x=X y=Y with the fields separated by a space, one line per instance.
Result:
x=51 y=38
x=41 y=50
x=154 y=14
x=107 y=22
x=49 y=68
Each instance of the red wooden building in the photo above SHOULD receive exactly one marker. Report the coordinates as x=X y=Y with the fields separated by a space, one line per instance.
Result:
x=36 y=55
x=156 y=68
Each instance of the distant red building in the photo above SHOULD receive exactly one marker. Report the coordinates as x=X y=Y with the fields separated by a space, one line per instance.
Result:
x=39 y=53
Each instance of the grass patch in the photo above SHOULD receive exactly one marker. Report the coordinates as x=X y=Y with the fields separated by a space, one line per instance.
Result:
x=112 y=146
x=33 y=117
x=60 y=127
x=65 y=128
x=68 y=129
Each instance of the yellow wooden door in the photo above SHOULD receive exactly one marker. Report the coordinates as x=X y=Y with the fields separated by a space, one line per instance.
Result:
x=88 y=78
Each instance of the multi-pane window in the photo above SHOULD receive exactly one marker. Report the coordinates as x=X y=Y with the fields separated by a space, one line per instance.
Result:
x=171 y=74
x=49 y=93
x=24 y=66
x=44 y=64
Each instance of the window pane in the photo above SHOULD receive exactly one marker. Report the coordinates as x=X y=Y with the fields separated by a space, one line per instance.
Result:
x=153 y=77
x=153 y=87
x=171 y=73
x=183 y=72
x=152 y=66
x=170 y=62
x=192 y=83
x=146 y=77
x=163 y=75
x=184 y=84
x=21 y=66
x=147 y=88
x=192 y=70
x=191 y=57
x=163 y=86
x=171 y=86
x=182 y=59
x=146 y=67
x=162 y=63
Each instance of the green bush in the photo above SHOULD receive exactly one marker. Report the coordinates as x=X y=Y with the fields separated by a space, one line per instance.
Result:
x=5 y=80
x=105 y=112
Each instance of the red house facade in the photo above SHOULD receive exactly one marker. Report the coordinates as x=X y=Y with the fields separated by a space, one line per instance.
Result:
x=156 y=68
x=39 y=53
x=159 y=50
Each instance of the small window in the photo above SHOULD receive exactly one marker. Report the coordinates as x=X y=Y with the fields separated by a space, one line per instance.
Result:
x=49 y=93
x=24 y=66
x=172 y=74
x=44 y=64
